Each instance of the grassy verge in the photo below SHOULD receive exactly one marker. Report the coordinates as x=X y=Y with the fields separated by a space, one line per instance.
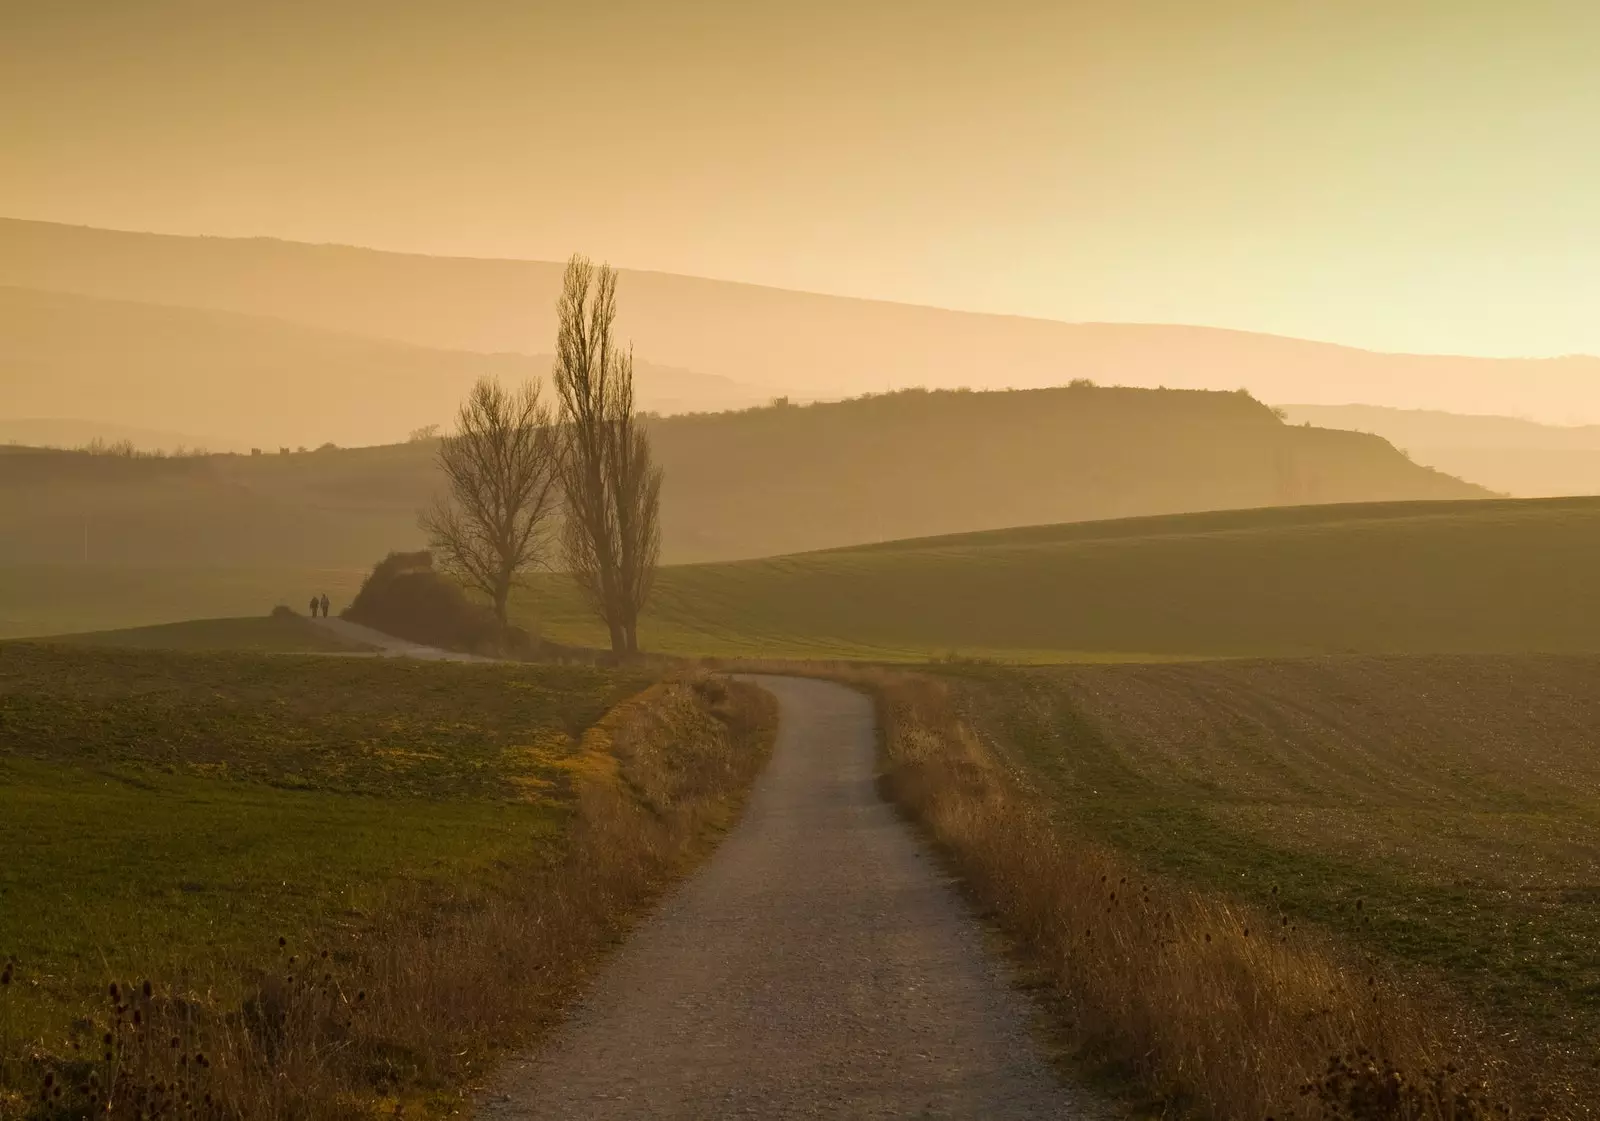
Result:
x=268 y=887
x=1219 y=1002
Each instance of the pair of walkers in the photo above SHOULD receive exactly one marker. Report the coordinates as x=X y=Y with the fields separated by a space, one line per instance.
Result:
x=321 y=603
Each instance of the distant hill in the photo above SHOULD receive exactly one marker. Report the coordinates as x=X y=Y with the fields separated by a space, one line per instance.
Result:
x=247 y=380
x=65 y=432
x=1495 y=576
x=785 y=342
x=763 y=481
x=1507 y=454
x=783 y=480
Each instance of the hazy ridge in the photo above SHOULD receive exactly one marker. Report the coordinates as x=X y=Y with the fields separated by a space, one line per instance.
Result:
x=754 y=483
x=782 y=341
x=1510 y=454
x=242 y=380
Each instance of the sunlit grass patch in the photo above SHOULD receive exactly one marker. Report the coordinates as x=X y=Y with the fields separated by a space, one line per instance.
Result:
x=360 y=726
x=178 y=812
x=115 y=871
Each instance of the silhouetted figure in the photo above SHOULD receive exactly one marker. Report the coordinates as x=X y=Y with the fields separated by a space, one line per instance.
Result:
x=313 y=607
x=324 y=605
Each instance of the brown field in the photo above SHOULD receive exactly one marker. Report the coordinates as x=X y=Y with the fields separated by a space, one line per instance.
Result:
x=1456 y=798
x=1419 y=838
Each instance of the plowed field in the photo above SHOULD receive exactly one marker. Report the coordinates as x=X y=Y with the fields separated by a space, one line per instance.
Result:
x=1441 y=811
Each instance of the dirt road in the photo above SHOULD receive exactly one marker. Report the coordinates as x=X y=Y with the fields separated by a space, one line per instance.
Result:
x=388 y=646
x=818 y=965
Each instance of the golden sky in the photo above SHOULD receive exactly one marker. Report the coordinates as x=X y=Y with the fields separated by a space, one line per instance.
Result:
x=1400 y=174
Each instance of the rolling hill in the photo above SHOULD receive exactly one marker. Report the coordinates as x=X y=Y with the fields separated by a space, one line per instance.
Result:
x=762 y=481
x=1508 y=454
x=1494 y=576
x=248 y=380
x=1491 y=576
x=795 y=343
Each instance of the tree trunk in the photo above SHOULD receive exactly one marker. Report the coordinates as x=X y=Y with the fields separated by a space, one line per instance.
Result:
x=619 y=640
x=502 y=592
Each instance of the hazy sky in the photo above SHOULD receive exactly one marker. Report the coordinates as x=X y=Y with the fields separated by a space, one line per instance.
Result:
x=1401 y=174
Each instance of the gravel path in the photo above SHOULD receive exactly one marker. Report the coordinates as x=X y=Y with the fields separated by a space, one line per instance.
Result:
x=818 y=965
x=388 y=646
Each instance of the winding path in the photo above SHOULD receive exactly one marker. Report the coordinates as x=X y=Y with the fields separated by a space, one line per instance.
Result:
x=388 y=646
x=818 y=965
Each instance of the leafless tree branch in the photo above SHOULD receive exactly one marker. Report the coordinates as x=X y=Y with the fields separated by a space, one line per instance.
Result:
x=611 y=539
x=502 y=470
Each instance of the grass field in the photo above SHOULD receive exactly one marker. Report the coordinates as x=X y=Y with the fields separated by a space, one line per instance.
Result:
x=1397 y=578
x=174 y=814
x=1441 y=812
x=42 y=599
x=246 y=886
x=1511 y=575
x=267 y=634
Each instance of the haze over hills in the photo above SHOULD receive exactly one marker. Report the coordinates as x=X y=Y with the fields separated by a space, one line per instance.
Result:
x=778 y=479
x=1507 y=454
x=65 y=432
x=781 y=341
x=247 y=380
x=915 y=463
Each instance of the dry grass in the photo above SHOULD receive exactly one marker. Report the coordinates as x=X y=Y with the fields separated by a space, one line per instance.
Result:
x=403 y=1016
x=1219 y=1008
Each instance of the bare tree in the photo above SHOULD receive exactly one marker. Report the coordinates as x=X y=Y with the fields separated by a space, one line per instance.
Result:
x=635 y=483
x=502 y=468
x=612 y=534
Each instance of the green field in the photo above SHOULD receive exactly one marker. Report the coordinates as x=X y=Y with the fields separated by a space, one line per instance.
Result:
x=270 y=634
x=53 y=599
x=1443 y=812
x=1491 y=576
x=1494 y=576
x=174 y=814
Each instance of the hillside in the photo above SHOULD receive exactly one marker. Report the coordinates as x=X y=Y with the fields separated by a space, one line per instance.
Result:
x=247 y=380
x=1495 y=576
x=785 y=342
x=1507 y=454
x=1492 y=576
x=759 y=482
x=784 y=480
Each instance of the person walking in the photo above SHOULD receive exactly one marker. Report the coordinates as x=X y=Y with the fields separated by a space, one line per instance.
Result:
x=324 y=605
x=313 y=607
